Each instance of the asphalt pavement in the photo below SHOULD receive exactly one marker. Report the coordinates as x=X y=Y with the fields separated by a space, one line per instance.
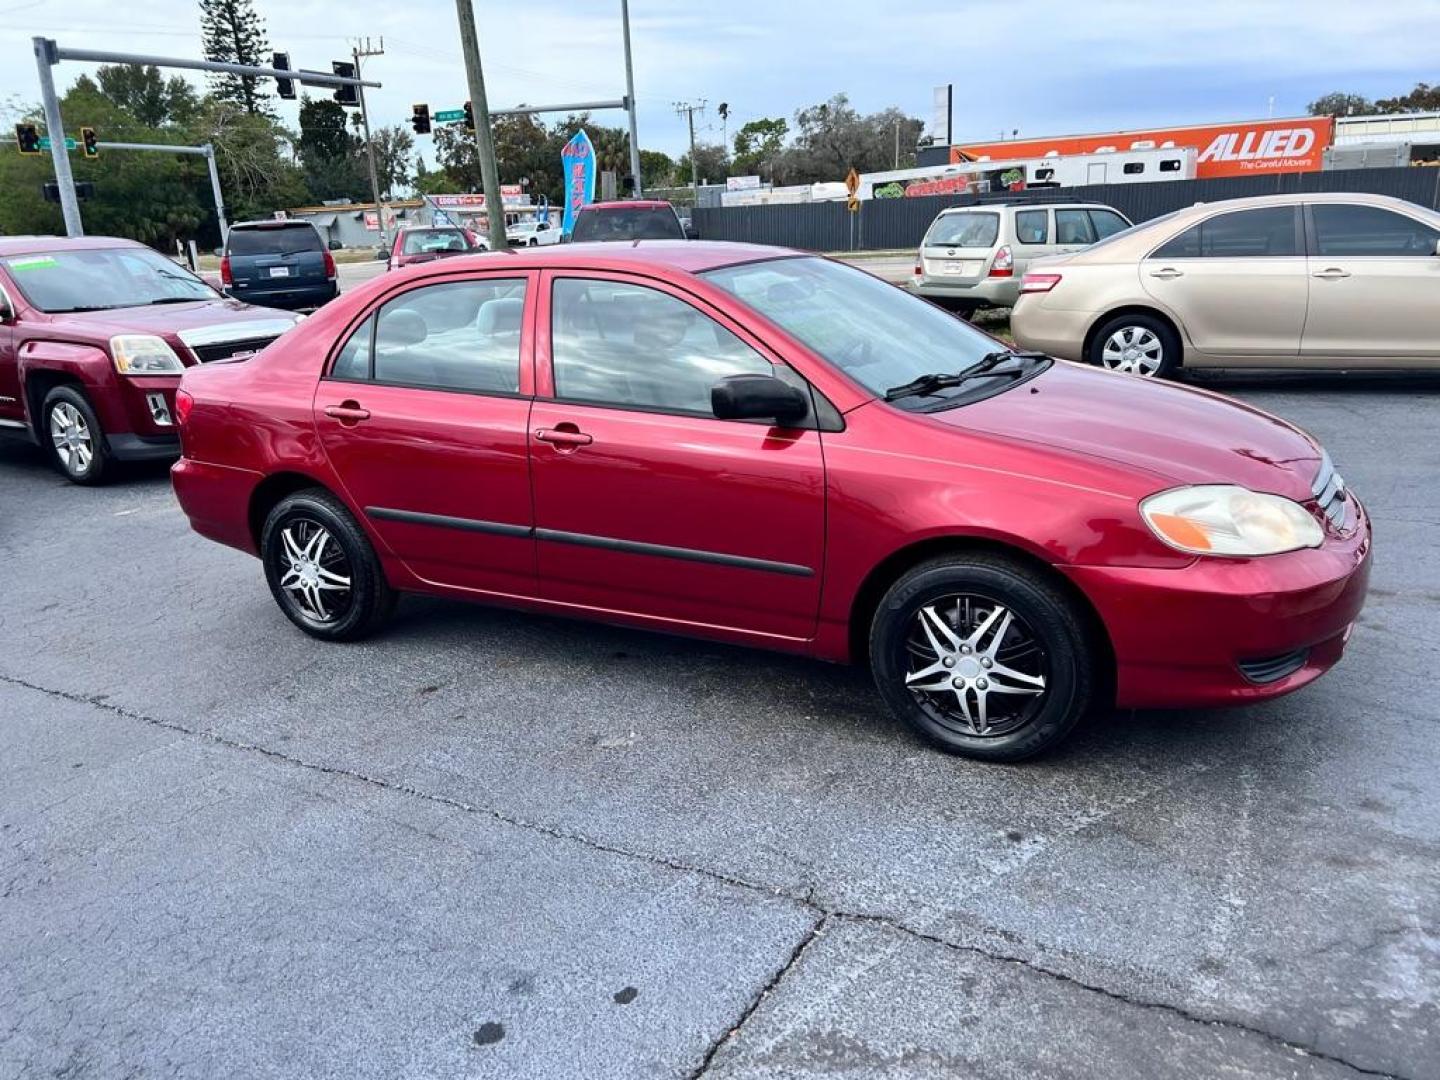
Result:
x=497 y=845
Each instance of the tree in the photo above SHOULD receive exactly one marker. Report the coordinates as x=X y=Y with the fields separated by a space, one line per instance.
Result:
x=1424 y=98
x=712 y=162
x=758 y=144
x=1340 y=103
x=145 y=95
x=455 y=151
x=656 y=169
x=393 y=146
x=234 y=34
x=833 y=138
x=329 y=154
x=254 y=156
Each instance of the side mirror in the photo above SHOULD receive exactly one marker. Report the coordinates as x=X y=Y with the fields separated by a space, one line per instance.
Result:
x=382 y=255
x=691 y=232
x=758 y=397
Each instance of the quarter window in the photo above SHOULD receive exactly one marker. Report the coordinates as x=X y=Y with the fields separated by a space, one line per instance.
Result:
x=462 y=335
x=616 y=343
x=1268 y=232
x=1342 y=231
x=1073 y=227
x=1032 y=226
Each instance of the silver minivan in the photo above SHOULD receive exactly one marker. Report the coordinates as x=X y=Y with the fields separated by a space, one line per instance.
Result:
x=973 y=257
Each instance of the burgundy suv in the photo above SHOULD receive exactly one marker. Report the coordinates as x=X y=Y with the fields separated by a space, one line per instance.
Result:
x=94 y=333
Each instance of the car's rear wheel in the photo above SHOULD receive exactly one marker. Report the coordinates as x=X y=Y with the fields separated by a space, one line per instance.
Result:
x=1137 y=344
x=322 y=569
x=71 y=431
x=983 y=657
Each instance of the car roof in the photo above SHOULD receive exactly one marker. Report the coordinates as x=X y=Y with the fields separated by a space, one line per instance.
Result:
x=629 y=204
x=642 y=256
x=37 y=245
x=273 y=223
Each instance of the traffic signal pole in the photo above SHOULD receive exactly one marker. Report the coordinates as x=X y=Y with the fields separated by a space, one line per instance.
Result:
x=630 y=98
x=207 y=151
x=45 y=59
x=484 y=138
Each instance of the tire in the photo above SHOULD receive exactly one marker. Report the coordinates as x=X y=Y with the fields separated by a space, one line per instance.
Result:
x=71 y=434
x=1137 y=344
x=534 y=243
x=1037 y=664
x=305 y=572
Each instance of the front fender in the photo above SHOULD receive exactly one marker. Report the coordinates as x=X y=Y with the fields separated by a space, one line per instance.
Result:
x=89 y=365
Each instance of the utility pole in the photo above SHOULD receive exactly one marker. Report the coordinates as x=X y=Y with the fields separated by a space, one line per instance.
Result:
x=689 y=110
x=630 y=98
x=897 y=143
x=484 y=138
x=358 y=52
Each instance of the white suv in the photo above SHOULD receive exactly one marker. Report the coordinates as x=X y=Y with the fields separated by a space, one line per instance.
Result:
x=973 y=257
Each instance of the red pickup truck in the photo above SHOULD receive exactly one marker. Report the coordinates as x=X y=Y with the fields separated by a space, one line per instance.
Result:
x=94 y=334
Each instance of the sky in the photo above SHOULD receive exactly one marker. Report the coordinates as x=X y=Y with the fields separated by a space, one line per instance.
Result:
x=1042 y=67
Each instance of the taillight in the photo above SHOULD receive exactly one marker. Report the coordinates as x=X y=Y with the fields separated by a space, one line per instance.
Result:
x=329 y=264
x=919 y=270
x=225 y=276
x=1004 y=264
x=1039 y=282
x=184 y=402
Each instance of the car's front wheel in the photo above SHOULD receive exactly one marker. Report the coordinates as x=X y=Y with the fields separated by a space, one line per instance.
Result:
x=321 y=568
x=1137 y=344
x=983 y=657
x=71 y=431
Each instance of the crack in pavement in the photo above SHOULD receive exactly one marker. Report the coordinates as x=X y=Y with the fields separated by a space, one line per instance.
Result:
x=807 y=900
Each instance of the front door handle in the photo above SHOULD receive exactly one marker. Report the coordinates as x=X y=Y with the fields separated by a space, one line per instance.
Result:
x=1332 y=273
x=347 y=412
x=564 y=437
x=1167 y=273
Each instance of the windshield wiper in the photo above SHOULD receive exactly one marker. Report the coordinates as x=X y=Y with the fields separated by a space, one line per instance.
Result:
x=178 y=300
x=984 y=368
x=90 y=307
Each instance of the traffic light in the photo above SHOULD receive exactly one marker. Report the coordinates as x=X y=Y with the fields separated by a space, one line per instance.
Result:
x=469 y=117
x=27 y=138
x=420 y=119
x=284 y=87
x=349 y=94
x=89 y=143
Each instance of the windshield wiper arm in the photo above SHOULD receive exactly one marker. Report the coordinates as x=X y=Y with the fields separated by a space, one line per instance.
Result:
x=178 y=300
x=984 y=368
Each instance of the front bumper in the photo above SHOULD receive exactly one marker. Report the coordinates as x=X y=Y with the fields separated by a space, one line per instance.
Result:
x=1181 y=636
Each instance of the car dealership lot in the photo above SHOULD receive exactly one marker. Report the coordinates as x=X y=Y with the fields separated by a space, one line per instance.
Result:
x=496 y=844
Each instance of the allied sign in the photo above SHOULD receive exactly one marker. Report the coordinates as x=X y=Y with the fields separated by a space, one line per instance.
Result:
x=578 y=161
x=1243 y=148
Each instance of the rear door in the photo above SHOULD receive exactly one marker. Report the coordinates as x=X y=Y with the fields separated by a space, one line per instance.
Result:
x=1374 y=286
x=1237 y=282
x=276 y=257
x=959 y=246
x=1074 y=230
x=1034 y=237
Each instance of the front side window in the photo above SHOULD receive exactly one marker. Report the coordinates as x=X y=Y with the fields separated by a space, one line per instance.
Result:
x=462 y=335
x=969 y=229
x=1032 y=226
x=616 y=343
x=879 y=335
x=1268 y=232
x=1073 y=227
x=100 y=278
x=1107 y=223
x=1342 y=231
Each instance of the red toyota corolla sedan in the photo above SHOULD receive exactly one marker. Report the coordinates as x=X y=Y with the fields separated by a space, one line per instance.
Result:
x=773 y=449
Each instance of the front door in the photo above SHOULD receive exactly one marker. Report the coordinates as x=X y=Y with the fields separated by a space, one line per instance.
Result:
x=1374 y=286
x=12 y=405
x=1236 y=281
x=423 y=416
x=647 y=505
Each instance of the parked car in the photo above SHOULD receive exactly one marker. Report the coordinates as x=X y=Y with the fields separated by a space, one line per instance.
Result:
x=973 y=257
x=1280 y=281
x=94 y=334
x=533 y=233
x=773 y=449
x=283 y=264
x=629 y=219
x=428 y=244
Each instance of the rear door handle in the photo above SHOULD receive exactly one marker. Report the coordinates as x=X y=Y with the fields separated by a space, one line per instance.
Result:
x=563 y=438
x=347 y=412
x=1166 y=273
x=1332 y=273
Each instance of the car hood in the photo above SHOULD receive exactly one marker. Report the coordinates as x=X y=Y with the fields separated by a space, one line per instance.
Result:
x=198 y=323
x=1177 y=434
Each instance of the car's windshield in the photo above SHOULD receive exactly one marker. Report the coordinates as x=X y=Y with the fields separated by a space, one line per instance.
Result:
x=87 y=280
x=424 y=241
x=968 y=229
x=878 y=334
x=273 y=240
x=629 y=223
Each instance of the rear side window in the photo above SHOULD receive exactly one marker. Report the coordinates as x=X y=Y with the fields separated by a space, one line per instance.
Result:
x=1107 y=223
x=632 y=223
x=1268 y=232
x=273 y=240
x=1368 y=230
x=462 y=335
x=976 y=230
x=1032 y=226
x=1073 y=227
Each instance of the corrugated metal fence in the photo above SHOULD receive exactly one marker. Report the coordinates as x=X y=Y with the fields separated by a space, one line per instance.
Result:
x=900 y=223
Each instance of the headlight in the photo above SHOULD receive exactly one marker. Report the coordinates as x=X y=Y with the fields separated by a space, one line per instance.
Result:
x=144 y=354
x=1218 y=519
